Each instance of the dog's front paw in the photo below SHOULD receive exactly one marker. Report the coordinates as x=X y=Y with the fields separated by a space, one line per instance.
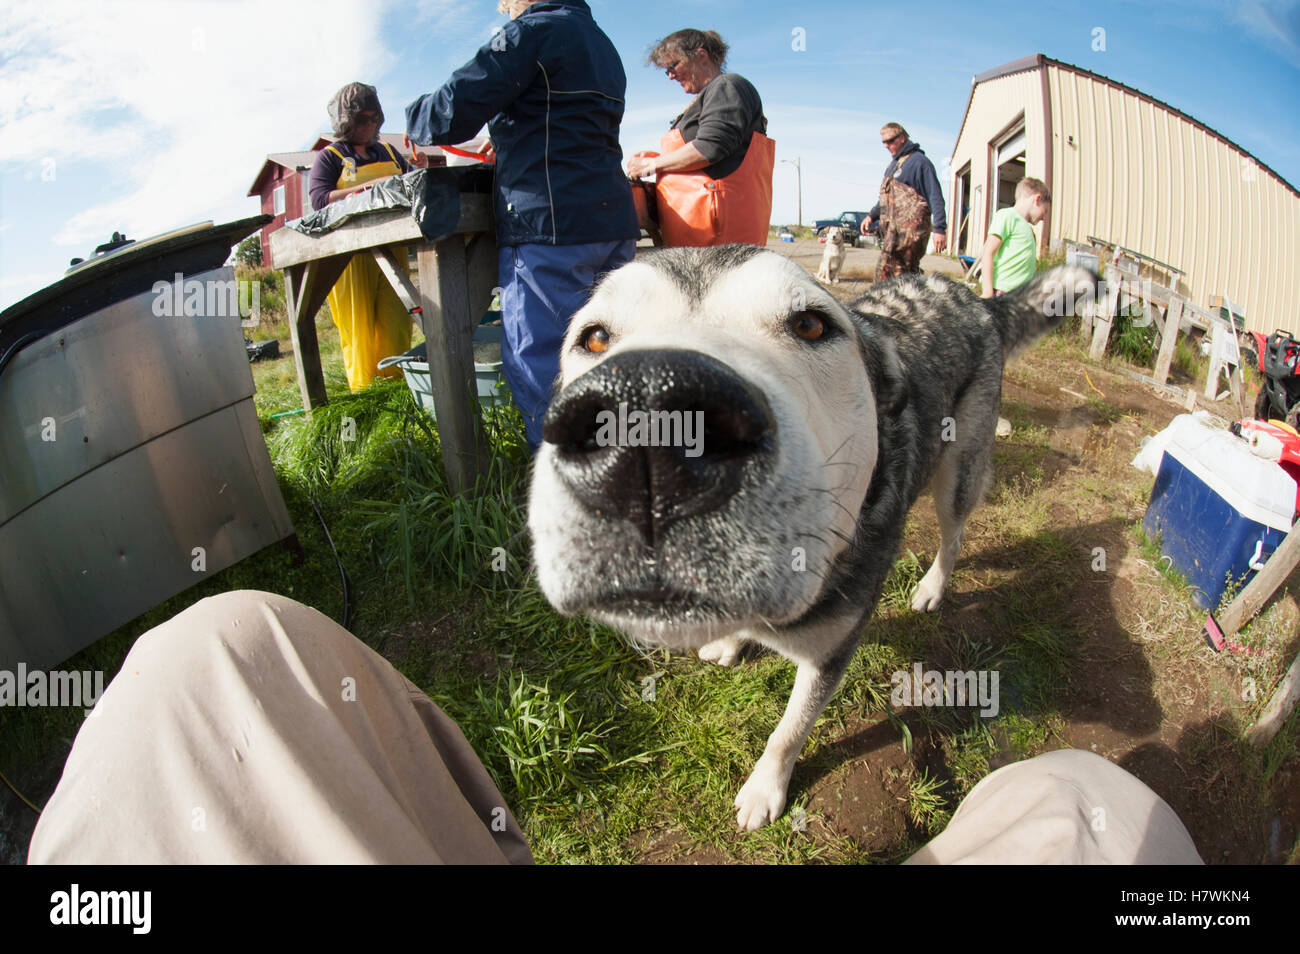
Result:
x=761 y=799
x=928 y=596
x=725 y=651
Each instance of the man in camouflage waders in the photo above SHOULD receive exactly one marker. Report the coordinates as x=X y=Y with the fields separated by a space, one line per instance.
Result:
x=910 y=197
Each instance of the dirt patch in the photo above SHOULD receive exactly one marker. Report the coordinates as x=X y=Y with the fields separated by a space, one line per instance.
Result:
x=673 y=848
x=860 y=264
x=865 y=799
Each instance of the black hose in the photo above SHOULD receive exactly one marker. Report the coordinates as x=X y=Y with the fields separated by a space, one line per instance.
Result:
x=347 y=600
x=19 y=794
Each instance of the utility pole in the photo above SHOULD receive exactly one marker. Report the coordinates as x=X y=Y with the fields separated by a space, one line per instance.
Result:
x=797 y=162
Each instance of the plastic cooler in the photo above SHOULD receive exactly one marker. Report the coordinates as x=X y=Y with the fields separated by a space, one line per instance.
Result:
x=1218 y=510
x=491 y=387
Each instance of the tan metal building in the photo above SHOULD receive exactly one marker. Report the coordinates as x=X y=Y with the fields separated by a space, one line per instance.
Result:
x=1135 y=172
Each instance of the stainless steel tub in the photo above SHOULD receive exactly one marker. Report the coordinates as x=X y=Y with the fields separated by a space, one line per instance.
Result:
x=132 y=466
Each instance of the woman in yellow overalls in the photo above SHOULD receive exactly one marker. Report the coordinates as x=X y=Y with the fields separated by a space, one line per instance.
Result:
x=372 y=322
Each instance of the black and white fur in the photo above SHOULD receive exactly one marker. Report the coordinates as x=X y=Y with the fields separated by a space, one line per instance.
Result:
x=782 y=531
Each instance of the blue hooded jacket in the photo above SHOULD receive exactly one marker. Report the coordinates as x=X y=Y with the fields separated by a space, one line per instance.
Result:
x=550 y=86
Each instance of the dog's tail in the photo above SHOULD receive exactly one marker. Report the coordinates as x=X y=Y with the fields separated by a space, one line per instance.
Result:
x=1041 y=304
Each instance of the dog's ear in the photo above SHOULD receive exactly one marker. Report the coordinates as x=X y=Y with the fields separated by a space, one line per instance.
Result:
x=885 y=370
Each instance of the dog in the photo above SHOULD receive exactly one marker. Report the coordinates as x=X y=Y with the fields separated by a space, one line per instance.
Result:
x=832 y=256
x=731 y=454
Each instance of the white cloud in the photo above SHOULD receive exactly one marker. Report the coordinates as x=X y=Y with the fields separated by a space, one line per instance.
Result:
x=179 y=102
x=1276 y=22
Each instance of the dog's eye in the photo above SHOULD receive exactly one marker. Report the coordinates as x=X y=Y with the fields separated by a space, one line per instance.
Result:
x=595 y=340
x=808 y=325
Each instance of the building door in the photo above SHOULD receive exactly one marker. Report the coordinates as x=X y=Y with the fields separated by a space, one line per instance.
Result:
x=1010 y=168
x=961 y=205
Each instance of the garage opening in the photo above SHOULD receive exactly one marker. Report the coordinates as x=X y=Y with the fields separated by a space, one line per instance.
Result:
x=1010 y=168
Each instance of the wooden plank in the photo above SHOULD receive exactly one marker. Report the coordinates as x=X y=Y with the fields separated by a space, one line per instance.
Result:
x=1257 y=592
x=1168 y=392
x=1156 y=316
x=1198 y=317
x=1135 y=285
x=290 y=247
x=306 y=286
x=1216 y=363
x=397 y=277
x=1100 y=335
x=1169 y=340
x=1278 y=709
x=1137 y=256
x=448 y=326
x=481 y=272
x=1154 y=292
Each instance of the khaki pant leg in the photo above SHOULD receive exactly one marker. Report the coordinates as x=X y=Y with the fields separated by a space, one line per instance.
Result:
x=1064 y=807
x=250 y=729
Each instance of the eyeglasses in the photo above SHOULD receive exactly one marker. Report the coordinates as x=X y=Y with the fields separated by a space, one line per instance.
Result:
x=890 y=140
x=669 y=71
x=365 y=119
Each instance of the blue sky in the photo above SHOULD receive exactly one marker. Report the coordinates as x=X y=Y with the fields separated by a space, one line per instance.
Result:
x=142 y=116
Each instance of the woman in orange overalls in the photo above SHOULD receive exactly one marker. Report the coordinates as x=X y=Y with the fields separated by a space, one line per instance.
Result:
x=373 y=324
x=715 y=164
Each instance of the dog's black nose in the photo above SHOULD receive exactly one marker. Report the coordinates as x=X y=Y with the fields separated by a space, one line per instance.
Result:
x=655 y=436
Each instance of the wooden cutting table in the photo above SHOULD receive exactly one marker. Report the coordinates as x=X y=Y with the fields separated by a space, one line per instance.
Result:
x=457 y=276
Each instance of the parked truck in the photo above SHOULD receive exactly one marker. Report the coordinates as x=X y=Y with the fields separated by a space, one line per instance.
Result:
x=850 y=222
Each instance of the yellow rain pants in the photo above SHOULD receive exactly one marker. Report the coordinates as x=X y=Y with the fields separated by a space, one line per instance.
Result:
x=372 y=322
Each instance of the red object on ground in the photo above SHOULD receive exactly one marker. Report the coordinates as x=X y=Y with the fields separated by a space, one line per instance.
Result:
x=1261 y=348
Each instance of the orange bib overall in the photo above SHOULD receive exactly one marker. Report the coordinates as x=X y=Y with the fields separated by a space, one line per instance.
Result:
x=695 y=209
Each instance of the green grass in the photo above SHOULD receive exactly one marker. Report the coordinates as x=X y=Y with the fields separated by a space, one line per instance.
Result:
x=1131 y=339
x=273 y=314
x=1150 y=549
x=926 y=803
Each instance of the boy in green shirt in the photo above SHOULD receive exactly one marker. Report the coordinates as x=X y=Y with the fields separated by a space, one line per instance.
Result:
x=1009 y=257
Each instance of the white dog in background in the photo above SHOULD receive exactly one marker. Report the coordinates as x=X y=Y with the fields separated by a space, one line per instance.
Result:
x=833 y=256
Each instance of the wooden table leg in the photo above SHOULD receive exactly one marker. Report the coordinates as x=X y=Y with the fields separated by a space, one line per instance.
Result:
x=481 y=269
x=448 y=328
x=395 y=272
x=1169 y=340
x=306 y=287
